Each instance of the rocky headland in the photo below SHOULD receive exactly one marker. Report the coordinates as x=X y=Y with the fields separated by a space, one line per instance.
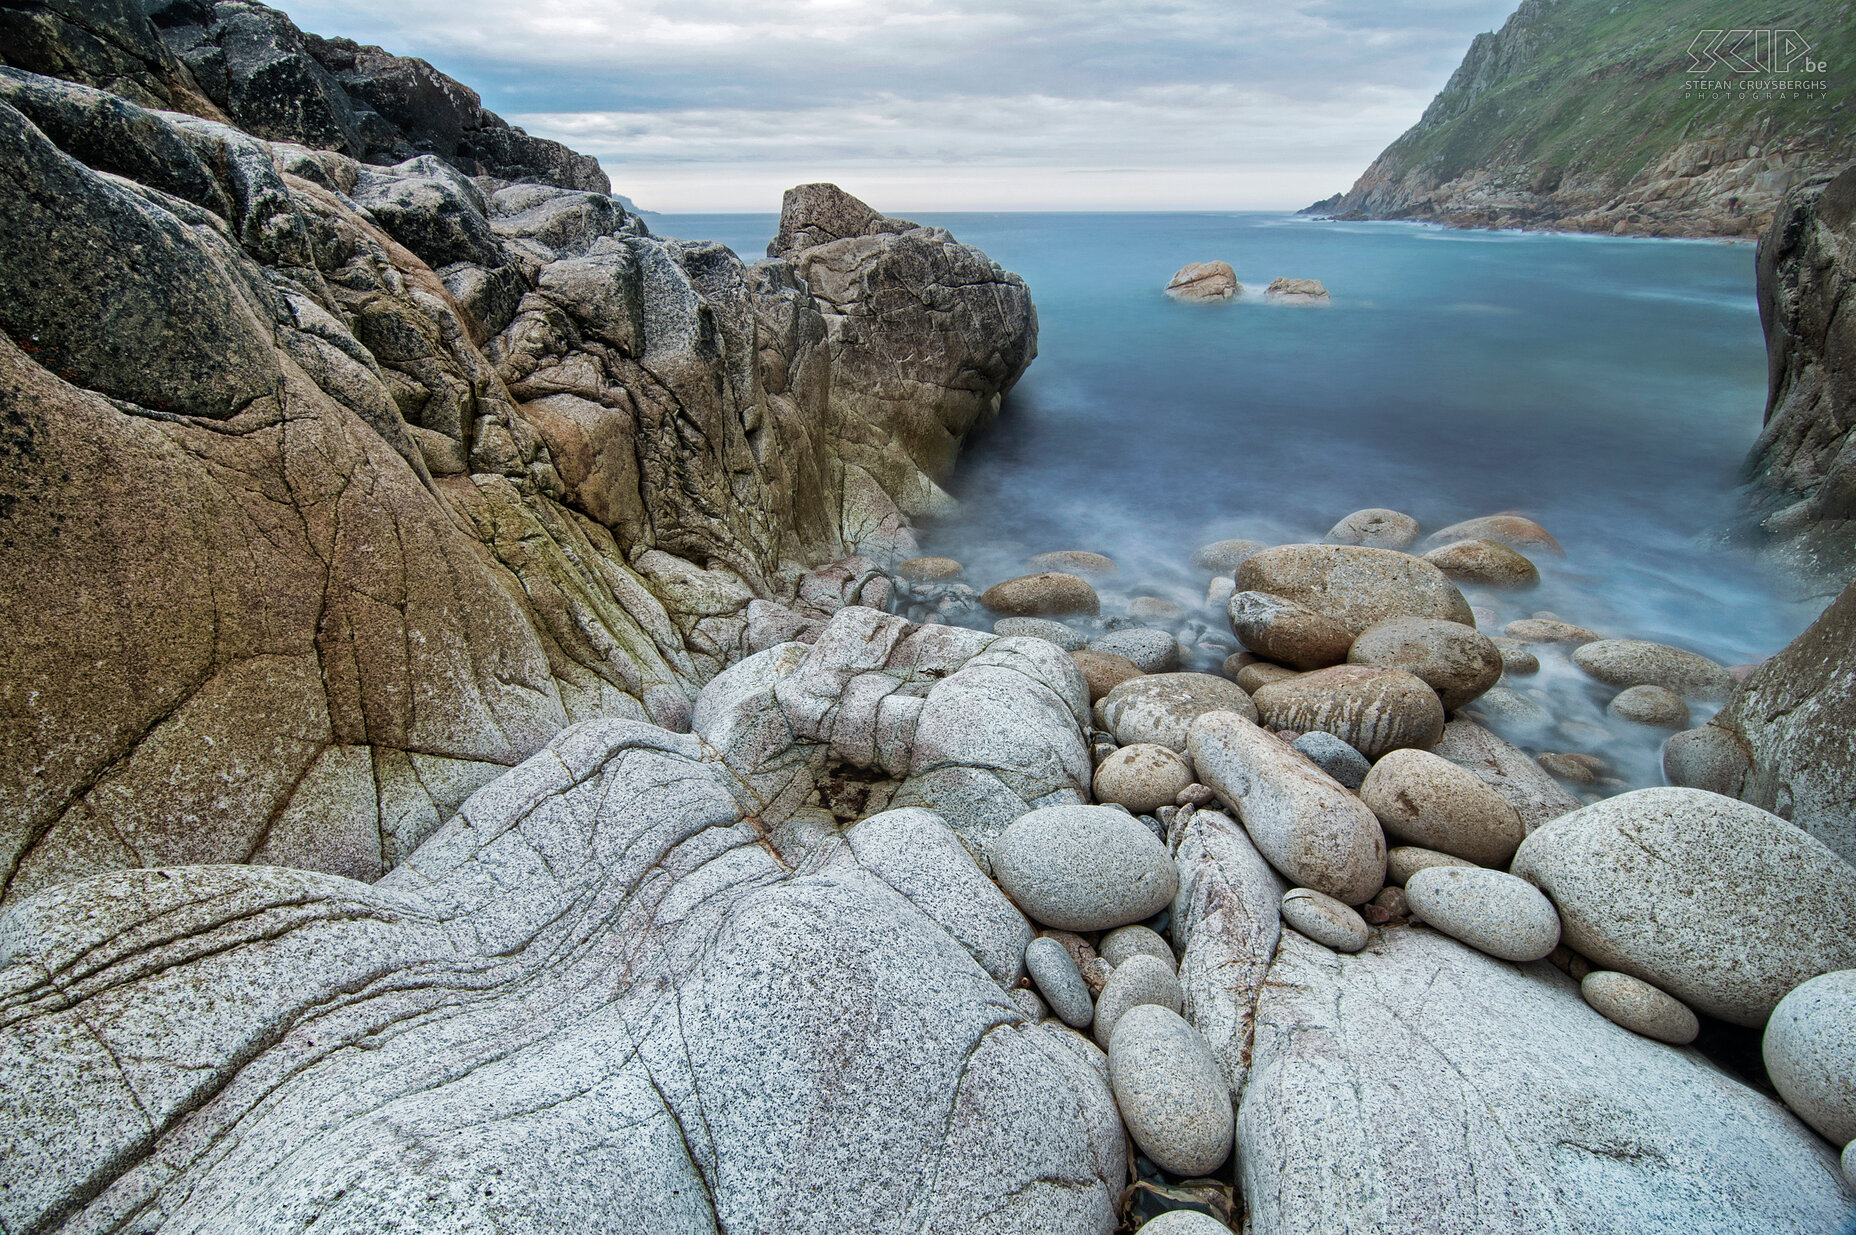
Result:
x=485 y=752
x=1590 y=116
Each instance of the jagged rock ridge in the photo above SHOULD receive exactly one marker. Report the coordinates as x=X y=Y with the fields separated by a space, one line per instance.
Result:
x=335 y=490
x=1582 y=115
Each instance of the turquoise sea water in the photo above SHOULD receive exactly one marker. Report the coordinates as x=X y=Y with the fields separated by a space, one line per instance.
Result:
x=1610 y=388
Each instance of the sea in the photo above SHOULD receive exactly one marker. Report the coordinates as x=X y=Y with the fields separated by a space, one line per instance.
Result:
x=1607 y=387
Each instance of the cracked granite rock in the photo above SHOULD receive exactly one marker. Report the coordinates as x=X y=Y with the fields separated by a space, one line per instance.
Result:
x=363 y=481
x=1421 y=1086
x=639 y=983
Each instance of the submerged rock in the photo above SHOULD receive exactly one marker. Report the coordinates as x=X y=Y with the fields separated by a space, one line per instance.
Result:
x=1051 y=593
x=930 y=569
x=1725 y=906
x=1376 y=529
x=1650 y=705
x=1224 y=556
x=1637 y=662
x=1421 y=1086
x=1077 y=562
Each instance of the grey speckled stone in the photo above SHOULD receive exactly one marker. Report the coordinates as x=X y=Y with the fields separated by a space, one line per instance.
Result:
x=1458 y=662
x=1335 y=757
x=1142 y=776
x=1506 y=769
x=1060 y=981
x=1160 y=708
x=1490 y=910
x=1810 y=1053
x=1028 y=1002
x=1083 y=868
x=1185 y=1222
x=1153 y=651
x=1301 y=820
x=1637 y=662
x=1126 y=941
x=1353 y=585
x=1138 y=980
x=1039 y=628
x=1171 y=1094
x=1725 y=906
x=1639 y=1007
x=1404 y=861
x=1650 y=705
x=1422 y=1086
x=1325 y=920
x=1422 y=799
x=1849 y=1165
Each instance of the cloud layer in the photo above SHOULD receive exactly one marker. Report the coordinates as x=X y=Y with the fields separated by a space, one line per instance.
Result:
x=948 y=104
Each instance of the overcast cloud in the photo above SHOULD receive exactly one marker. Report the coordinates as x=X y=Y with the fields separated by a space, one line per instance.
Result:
x=948 y=104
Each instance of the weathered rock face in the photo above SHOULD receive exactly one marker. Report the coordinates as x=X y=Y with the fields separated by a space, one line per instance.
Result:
x=1421 y=1086
x=635 y=981
x=1579 y=118
x=1803 y=467
x=362 y=482
x=1786 y=741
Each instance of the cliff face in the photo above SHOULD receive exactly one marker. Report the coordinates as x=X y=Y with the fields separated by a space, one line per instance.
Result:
x=331 y=490
x=1803 y=468
x=1584 y=115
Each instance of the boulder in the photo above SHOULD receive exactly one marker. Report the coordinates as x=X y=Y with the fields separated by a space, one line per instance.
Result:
x=1639 y=1007
x=1051 y=593
x=1404 y=861
x=1288 y=633
x=1419 y=1085
x=1516 y=659
x=1712 y=757
x=1656 y=706
x=1152 y=651
x=1296 y=289
x=1083 y=868
x=1154 y=609
x=1310 y=828
x=1373 y=710
x=1457 y=661
x=1487 y=563
x=1138 y=980
x=1127 y=941
x=1204 y=281
x=1224 y=556
x=1719 y=903
x=1810 y=1053
x=1335 y=757
x=1425 y=800
x=1060 y=982
x=1324 y=920
x=1161 y=707
x=1376 y=529
x=930 y=569
x=1039 y=628
x=1143 y=777
x=1185 y=1222
x=1547 y=630
x=1515 y=531
x=1354 y=585
x=1254 y=677
x=1491 y=911
x=1103 y=671
x=1075 y=561
x=1172 y=1097
x=1636 y=662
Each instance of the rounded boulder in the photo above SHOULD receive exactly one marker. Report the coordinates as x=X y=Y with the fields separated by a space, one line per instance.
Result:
x=1125 y=942
x=1083 y=868
x=1039 y=628
x=1143 y=777
x=1638 y=662
x=1059 y=980
x=1639 y=1007
x=1050 y=593
x=1076 y=562
x=1656 y=706
x=1139 y=980
x=1355 y=585
x=1428 y=801
x=1458 y=662
x=1373 y=710
x=1376 y=529
x=1104 y=671
x=1324 y=920
x=1286 y=632
x=1152 y=651
x=1515 y=531
x=1404 y=861
x=930 y=569
x=1172 y=1094
x=1810 y=1053
x=1161 y=707
x=1491 y=911
x=1488 y=563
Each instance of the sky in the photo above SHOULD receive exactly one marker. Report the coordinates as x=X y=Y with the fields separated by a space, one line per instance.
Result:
x=717 y=105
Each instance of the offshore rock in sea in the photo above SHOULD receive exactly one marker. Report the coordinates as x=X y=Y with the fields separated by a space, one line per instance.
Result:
x=1296 y=289
x=1204 y=281
x=1419 y=1085
x=641 y=950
